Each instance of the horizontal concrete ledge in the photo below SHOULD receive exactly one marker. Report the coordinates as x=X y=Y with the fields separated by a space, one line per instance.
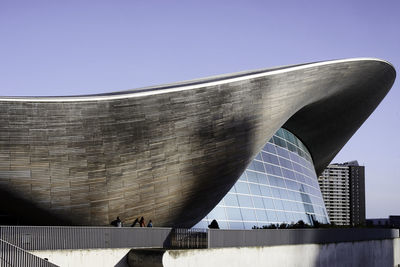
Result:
x=370 y=253
x=274 y=237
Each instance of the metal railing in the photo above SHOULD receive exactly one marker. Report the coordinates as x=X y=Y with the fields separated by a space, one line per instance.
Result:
x=14 y=256
x=188 y=239
x=65 y=237
x=32 y=238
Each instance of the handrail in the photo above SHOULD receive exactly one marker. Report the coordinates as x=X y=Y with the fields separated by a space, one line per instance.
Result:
x=13 y=256
x=78 y=237
x=187 y=239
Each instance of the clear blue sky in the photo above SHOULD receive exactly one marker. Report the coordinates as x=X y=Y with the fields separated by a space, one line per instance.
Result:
x=58 y=47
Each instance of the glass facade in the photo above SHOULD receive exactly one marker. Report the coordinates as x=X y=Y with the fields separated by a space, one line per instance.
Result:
x=279 y=186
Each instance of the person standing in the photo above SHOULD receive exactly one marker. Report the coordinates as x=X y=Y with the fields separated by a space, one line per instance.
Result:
x=119 y=222
x=142 y=223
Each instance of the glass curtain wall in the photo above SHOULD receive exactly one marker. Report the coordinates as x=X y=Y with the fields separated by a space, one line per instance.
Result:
x=279 y=186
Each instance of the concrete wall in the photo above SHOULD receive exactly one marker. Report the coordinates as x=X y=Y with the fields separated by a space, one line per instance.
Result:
x=366 y=253
x=274 y=237
x=86 y=257
x=297 y=247
x=377 y=253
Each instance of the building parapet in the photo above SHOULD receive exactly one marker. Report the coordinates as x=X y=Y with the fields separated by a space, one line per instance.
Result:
x=275 y=237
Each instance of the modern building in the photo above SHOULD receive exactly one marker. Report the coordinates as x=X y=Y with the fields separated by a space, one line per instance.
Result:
x=343 y=189
x=334 y=184
x=357 y=193
x=279 y=186
x=172 y=152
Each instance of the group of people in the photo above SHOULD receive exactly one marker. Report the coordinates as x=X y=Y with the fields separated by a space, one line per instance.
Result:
x=118 y=222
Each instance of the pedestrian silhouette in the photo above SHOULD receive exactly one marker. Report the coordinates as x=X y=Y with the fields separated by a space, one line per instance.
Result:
x=117 y=222
x=213 y=225
x=135 y=222
x=142 y=223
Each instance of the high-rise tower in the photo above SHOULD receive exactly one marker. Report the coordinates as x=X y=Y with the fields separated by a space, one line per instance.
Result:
x=343 y=189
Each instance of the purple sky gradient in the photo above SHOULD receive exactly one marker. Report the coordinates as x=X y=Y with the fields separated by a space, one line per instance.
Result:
x=70 y=47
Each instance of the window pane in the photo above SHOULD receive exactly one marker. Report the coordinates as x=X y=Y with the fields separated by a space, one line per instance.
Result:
x=233 y=214
x=299 y=177
x=309 y=208
x=236 y=225
x=291 y=195
x=283 y=193
x=295 y=157
x=305 y=198
x=231 y=200
x=301 y=207
x=289 y=217
x=280 y=133
x=255 y=189
x=286 y=163
x=248 y=215
x=272 y=216
x=245 y=201
x=261 y=215
x=268 y=203
x=288 y=174
x=252 y=176
x=242 y=188
x=249 y=225
x=262 y=178
x=275 y=181
x=270 y=148
x=292 y=147
x=297 y=217
x=282 y=152
x=222 y=225
x=276 y=170
x=259 y=166
x=265 y=191
x=292 y=185
x=218 y=213
x=278 y=204
x=270 y=158
x=268 y=168
x=280 y=142
x=258 y=202
x=287 y=205
x=298 y=196
x=281 y=216
x=297 y=168
x=276 y=193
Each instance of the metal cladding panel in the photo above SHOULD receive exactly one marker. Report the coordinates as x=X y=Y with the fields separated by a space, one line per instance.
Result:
x=170 y=153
